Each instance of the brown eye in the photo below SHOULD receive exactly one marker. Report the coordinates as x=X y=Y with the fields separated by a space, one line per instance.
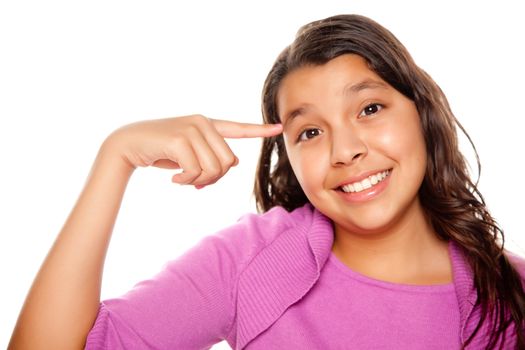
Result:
x=309 y=134
x=371 y=109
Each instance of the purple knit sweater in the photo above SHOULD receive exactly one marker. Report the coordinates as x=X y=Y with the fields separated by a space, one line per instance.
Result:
x=271 y=282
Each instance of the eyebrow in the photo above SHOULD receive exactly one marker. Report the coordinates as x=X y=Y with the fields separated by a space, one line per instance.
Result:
x=363 y=85
x=348 y=90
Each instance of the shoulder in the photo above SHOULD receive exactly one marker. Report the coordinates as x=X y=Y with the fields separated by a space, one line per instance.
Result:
x=233 y=248
x=237 y=244
x=268 y=225
x=253 y=232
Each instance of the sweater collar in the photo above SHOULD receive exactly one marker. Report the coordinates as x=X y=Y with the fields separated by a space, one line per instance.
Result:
x=284 y=271
x=465 y=289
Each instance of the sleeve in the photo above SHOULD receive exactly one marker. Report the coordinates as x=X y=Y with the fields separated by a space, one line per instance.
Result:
x=190 y=304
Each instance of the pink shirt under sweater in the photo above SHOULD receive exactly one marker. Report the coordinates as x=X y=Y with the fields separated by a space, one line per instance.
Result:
x=271 y=282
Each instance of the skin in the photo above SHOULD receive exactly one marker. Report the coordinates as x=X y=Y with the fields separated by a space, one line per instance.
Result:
x=387 y=237
x=331 y=135
x=63 y=301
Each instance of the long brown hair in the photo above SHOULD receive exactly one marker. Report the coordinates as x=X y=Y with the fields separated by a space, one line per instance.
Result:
x=449 y=198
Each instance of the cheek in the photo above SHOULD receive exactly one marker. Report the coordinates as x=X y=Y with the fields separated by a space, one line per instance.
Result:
x=402 y=139
x=414 y=144
x=405 y=143
x=309 y=165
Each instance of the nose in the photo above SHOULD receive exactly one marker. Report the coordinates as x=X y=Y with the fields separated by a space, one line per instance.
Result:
x=347 y=146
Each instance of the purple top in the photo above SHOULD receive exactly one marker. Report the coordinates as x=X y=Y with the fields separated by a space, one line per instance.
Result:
x=271 y=281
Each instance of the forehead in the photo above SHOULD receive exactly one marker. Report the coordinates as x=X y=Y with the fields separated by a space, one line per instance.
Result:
x=343 y=75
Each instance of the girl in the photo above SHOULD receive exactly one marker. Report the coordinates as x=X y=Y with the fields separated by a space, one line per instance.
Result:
x=372 y=234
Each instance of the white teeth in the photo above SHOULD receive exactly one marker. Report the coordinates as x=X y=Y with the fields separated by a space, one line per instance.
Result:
x=366 y=183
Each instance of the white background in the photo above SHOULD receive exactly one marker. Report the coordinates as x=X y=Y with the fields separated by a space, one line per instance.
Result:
x=71 y=72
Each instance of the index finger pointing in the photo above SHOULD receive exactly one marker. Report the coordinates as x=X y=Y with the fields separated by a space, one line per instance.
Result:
x=236 y=130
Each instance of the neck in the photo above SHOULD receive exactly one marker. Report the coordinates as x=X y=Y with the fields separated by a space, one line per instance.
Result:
x=409 y=252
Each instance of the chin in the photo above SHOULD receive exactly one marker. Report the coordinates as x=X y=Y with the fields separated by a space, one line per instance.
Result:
x=366 y=222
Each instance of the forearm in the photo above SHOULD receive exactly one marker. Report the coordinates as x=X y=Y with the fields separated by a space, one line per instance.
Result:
x=63 y=301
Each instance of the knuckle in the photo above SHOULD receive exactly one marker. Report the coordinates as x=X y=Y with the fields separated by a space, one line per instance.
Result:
x=214 y=170
x=200 y=119
x=226 y=165
x=192 y=129
x=231 y=160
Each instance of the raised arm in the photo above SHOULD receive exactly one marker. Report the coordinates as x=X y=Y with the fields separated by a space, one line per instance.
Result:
x=63 y=301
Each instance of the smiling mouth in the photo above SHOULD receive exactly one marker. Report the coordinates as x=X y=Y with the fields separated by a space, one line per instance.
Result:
x=366 y=183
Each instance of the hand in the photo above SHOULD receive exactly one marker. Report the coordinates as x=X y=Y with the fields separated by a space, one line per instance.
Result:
x=194 y=144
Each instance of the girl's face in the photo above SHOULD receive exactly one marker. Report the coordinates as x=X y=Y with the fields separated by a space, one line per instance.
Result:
x=355 y=144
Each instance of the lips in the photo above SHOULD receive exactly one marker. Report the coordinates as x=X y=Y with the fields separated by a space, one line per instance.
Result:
x=363 y=179
x=365 y=184
x=353 y=193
